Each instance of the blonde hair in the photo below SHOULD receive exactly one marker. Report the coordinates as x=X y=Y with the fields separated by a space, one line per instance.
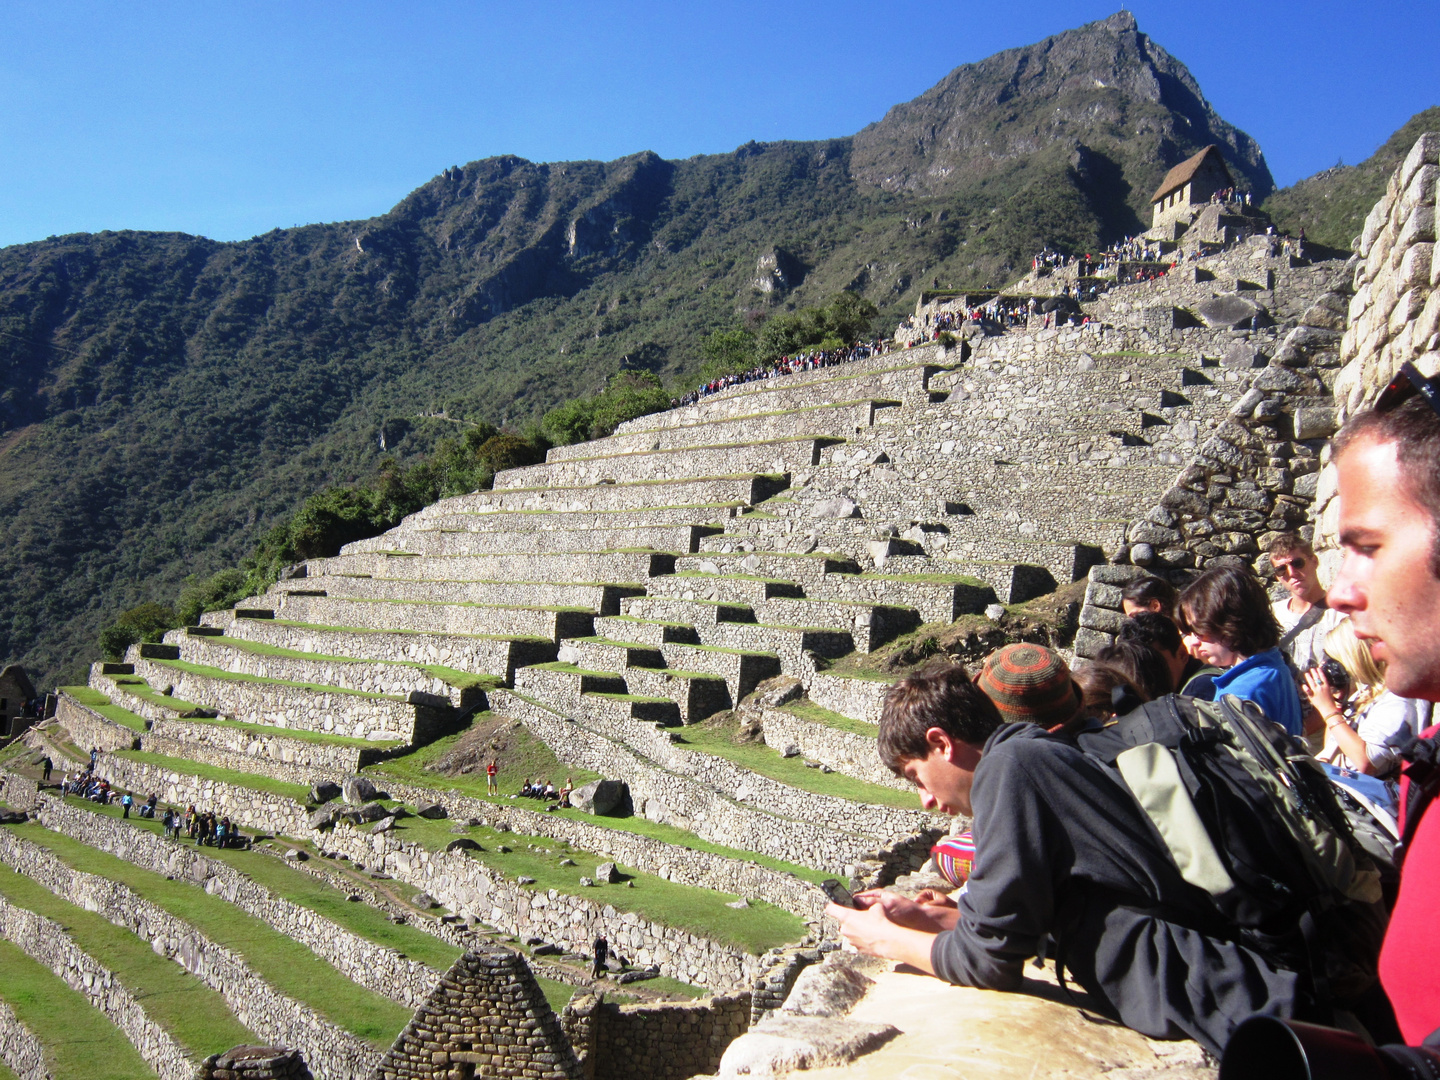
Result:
x=1354 y=656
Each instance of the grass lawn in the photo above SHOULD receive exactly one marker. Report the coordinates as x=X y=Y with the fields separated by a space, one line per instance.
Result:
x=93 y=699
x=685 y=907
x=138 y=687
x=526 y=757
x=195 y=1015
x=308 y=891
x=814 y=714
x=256 y=782
x=285 y=964
x=718 y=737
x=78 y=1040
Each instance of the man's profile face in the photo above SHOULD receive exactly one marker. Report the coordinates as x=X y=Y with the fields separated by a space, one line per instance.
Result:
x=1385 y=583
x=944 y=776
x=1299 y=572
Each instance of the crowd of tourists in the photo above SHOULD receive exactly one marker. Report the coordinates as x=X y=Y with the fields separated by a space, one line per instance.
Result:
x=202 y=826
x=786 y=365
x=1224 y=825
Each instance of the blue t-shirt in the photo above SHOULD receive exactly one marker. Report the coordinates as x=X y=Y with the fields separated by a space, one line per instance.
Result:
x=1264 y=679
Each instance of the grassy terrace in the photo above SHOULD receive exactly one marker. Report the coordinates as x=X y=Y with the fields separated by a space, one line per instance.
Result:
x=78 y=1041
x=207 y=672
x=254 y=781
x=195 y=1016
x=451 y=676
x=814 y=714
x=94 y=699
x=537 y=760
x=685 y=907
x=138 y=687
x=360 y=630
x=652 y=483
x=286 y=965
x=308 y=891
x=717 y=736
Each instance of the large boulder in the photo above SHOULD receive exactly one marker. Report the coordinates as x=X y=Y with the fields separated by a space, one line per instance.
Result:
x=598 y=796
x=358 y=790
x=325 y=816
x=433 y=811
x=371 y=811
x=1229 y=311
x=324 y=791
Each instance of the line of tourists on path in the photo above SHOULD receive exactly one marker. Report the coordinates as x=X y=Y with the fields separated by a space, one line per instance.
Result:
x=204 y=827
x=787 y=365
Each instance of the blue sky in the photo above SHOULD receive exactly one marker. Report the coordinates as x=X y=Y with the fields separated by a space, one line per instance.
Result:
x=230 y=119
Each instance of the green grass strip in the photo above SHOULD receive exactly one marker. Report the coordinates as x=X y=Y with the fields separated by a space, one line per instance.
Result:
x=814 y=714
x=98 y=702
x=320 y=738
x=138 y=687
x=254 y=781
x=286 y=965
x=718 y=739
x=528 y=758
x=288 y=883
x=685 y=907
x=78 y=1040
x=196 y=1016
x=451 y=676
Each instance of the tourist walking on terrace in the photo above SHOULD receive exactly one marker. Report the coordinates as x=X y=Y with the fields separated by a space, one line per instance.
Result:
x=492 y=787
x=602 y=950
x=126 y=801
x=46 y=765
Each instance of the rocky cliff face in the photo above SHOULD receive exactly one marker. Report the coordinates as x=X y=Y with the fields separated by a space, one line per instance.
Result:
x=1105 y=87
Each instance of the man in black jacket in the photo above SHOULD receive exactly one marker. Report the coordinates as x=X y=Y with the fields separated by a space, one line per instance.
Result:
x=1062 y=850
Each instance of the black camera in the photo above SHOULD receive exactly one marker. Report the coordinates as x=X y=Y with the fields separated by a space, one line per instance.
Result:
x=1270 y=1049
x=1336 y=675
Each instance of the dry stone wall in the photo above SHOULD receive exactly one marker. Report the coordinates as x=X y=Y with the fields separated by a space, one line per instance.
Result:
x=843 y=751
x=465 y=885
x=666 y=1041
x=88 y=728
x=1394 y=315
x=330 y=1051
x=487 y=1017
x=20 y=1050
x=373 y=966
x=247 y=807
x=46 y=942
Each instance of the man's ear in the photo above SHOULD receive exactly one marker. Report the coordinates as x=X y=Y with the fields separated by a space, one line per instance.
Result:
x=941 y=740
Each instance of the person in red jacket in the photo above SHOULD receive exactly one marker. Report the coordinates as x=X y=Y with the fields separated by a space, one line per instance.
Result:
x=1388 y=461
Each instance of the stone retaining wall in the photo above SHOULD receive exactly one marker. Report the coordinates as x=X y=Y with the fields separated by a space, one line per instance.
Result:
x=46 y=942
x=844 y=751
x=19 y=792
x=247 y=807
x=89 y=728
x=470 y=887
x=682 y=865
x=860 y=699
x=306 y=758
x=437 y=616
x=664 y=1041
x=19 y=1049
x=373 y=966
x=329 y=1050
x=1394 y=316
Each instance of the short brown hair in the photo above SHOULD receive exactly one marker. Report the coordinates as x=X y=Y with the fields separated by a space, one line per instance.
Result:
x=1414 y=428
x=1141 y=664
x=1228 y=605
x=1288 y=542
x=1097 y=682
x=939 y=696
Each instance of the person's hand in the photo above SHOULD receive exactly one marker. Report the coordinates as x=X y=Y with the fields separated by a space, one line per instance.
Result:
x=1321 y=694
x=930 y=917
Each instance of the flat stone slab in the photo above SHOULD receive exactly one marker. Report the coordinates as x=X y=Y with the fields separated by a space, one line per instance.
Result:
x=958 y=1033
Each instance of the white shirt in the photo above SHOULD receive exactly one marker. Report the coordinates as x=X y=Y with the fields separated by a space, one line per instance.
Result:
x=1307 y=648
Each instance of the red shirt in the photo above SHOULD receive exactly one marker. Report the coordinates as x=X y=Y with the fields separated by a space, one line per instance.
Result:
x=490 y=769
x=1410 y=957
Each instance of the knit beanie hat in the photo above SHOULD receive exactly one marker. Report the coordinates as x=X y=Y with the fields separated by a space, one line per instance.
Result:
x=1030 y=683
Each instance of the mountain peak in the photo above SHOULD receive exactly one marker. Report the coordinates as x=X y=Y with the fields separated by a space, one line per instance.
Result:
x=1104 y=86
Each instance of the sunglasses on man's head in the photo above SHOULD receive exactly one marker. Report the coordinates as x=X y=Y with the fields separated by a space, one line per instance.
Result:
x=1406 y=385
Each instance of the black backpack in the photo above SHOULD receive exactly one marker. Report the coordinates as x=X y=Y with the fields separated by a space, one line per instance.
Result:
x=1250 y=818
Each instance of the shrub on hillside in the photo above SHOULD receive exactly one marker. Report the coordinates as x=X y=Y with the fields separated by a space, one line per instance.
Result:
x=199 y=595
x=627 y=395
x=146 y=622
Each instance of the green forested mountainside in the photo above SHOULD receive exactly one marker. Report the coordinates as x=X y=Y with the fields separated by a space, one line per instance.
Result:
x=1331 y=206
x=165 y=399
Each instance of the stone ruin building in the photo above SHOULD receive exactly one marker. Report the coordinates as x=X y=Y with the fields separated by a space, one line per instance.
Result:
x=710 y=558
x=1188 y=187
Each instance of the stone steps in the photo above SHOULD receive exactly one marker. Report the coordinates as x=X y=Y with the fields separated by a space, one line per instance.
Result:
x=464 y=652
x=740 y=670
x=320 y=709
x=673 y=463
x=449 y=542
x=627 y=497
x=835 y=420
x=549 y=566
x=242 y=657
x=577 y=595
x=549 y=623
x=435 y=516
